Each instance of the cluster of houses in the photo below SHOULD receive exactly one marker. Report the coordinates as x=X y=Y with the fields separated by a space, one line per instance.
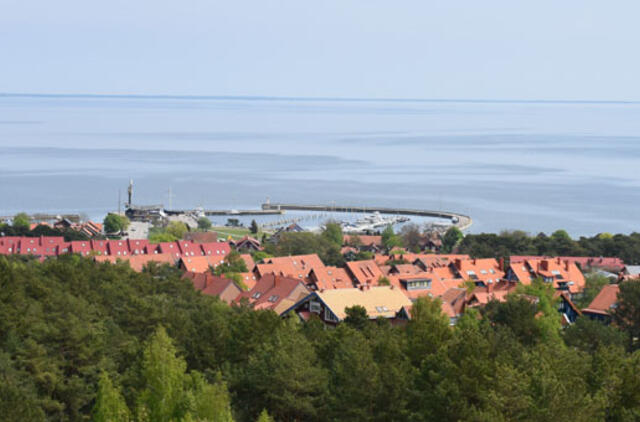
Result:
x=386 y=285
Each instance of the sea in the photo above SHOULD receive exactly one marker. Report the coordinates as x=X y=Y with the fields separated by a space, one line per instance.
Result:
x=536 y=166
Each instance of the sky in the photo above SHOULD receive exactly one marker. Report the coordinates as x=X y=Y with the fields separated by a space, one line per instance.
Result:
x=489 y=49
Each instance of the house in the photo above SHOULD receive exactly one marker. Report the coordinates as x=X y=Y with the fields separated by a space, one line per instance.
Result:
x=296 y=266
x=584 y=262
x=364 y=241
x=215 y=248
x=481 y=271
x=427 y=261
x=420 y=284
x=454 y=302
x=248 y=243
x=364 y=272
x=329 y=278
x=200 y=264
x=603 y=304
x=248 y=261
x=212 y=285
x=567 y=308
x=275 y=292
x=248 y=279
x=330 y=305
x=292 y=228
x=201 y=237
x=630 y=272
x=481 y=295
x=564 y=274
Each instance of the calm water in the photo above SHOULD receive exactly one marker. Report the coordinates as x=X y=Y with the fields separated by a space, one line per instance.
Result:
x=534 y=166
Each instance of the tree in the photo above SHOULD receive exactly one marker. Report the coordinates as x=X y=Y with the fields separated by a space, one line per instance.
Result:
x=332 y=231
x=110 y=405
x=427 y=329
x=411 y=236
x=163 y=397
x=114 y=223
x=452 y=236
x=283 y=376
x=356 y=317
x=21 y=220
x=233 y=264
x=383 y=281
x=589 y=335
x=594 y=283
x=389 y=239
x=264 y=417
x=204 y=223
x=627 y=313
x=177 y=229
x=254 y=227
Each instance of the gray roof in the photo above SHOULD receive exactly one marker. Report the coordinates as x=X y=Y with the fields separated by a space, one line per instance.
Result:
x=633 y=269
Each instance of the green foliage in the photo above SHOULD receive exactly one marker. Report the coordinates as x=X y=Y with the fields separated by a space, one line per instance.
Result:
x=177 y=229
x=390 y=239
x=233 y=264
x=260 y=255
x=590 y=335
x=253 y=228
x=383 y=281
x=304 y=243
x=110 y=405
x=332 y=232
x=594 y=283
x=489 y=245
x=356 y=317
x=115 y=223
x=264 y=417
x=627 y=314
x=21 y=220
x=204 y=223
x=364 y=256
x=80 y=340
x=159 y=236
x=451 y=238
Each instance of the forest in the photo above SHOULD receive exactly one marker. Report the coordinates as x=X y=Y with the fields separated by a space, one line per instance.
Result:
x=81 y=340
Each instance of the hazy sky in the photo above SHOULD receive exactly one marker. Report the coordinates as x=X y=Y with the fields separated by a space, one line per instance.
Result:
x=500 y=49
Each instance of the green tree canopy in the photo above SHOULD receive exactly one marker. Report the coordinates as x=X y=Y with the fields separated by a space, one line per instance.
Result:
x=114 y=223
x=21 y=220
x=204 y=223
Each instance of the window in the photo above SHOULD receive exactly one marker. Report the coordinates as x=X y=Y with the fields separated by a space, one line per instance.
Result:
x=328 y=315
x=315 y=307
x=492 y=271
x=256 y=295
x=483 y=271
x=273 y=298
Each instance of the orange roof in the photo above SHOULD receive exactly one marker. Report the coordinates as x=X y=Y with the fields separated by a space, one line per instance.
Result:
x=564 y=274
x=248 y=260
x=405 y=269
x=296 y=266
x=249 y=279
x=364 y=272
x=604 y=301
x=485 y=270
x=365 y=240
x=331 y=278
x=200 y=264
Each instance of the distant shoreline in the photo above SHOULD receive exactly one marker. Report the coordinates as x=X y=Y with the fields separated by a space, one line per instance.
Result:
x=307 y=99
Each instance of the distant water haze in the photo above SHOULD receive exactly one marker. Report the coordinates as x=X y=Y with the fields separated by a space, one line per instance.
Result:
x=536 y=166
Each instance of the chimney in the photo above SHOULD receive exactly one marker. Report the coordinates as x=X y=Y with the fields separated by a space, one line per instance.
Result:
x=502 y=264
x=458 y=263
x=489 y=286
x=566 y=265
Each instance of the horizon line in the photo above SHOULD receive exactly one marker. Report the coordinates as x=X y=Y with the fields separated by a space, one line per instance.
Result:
x=308 y=99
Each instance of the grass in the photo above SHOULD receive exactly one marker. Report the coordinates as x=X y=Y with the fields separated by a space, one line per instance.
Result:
x=234 y=232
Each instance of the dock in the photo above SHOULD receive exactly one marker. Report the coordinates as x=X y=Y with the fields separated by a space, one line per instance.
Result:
x=461 y=221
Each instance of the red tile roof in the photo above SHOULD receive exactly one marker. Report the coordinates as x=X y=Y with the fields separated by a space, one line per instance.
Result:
x=364 y=272
x=604 y=301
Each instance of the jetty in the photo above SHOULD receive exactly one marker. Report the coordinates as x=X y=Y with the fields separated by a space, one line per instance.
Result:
x=461 y=221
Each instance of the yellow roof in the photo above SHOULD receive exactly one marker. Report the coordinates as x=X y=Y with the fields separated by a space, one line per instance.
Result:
x=379 y=301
